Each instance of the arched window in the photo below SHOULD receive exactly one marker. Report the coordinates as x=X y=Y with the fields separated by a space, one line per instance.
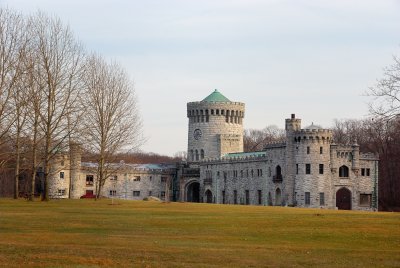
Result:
x=278 y=174
x=343 y=172
x=197 y=155
x=202 y=154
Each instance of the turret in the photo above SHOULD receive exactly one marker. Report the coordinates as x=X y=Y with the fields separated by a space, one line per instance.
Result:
x=215 y=127
x=75 y=186
x=355 y=157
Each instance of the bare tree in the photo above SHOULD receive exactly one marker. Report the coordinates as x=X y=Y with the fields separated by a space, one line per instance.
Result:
x=112 y=121
x=255 y=139
x=386 y=93
x=13 y=41
x=57 y=74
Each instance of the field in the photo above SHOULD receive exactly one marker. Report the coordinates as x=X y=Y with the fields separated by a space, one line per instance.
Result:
x=88 y=233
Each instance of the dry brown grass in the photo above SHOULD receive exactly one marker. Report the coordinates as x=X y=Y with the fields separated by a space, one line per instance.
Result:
x=86 y=233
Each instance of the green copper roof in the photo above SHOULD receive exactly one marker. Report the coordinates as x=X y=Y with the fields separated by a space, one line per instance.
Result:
x=216 y=96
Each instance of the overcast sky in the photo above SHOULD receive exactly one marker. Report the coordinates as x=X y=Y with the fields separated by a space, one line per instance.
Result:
x=312 y=58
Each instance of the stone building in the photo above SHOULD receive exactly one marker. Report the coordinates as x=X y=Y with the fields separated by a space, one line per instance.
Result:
x=307 y=170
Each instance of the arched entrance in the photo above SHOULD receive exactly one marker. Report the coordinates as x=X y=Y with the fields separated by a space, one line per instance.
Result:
x=343 y=199
x=278 y=197
x=208 y=196
x=193 y=192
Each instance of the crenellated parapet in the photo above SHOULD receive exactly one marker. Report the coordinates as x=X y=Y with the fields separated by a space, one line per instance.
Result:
x=313 y=135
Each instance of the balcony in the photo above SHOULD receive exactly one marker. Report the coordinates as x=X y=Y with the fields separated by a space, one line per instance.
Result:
x=277 y=178
x=207 y=181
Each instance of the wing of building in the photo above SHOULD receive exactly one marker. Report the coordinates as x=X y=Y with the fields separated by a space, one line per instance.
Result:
x=306 y=170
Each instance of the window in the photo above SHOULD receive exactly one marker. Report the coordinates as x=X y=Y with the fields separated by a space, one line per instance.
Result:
x=321 y=168
x=89 y=180
x=367 y=172
x=150 y=193
x=136 y=178
x=259 y=197
x=202 y=154
x=62 y=163
x=113 y=192
x=223 y=197
x=308 y=168
x=61 y=175
x=61 y=192
x=137 y=193
x=343 y=171
x=114 y=178
x=365 y=200
x=297 y=168
x=363 y=172
x=322 y=199
x=197 y=155
x=234 y=197
x=307 y=198
x=321 y=150
x=164 y=179
x=247 y=197
x=162 y=195
x=308 y=149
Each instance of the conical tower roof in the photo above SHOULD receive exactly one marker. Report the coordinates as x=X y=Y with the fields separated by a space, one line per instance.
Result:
x=216 y=96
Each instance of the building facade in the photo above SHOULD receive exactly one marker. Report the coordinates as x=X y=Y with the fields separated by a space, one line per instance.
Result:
x=306 y=170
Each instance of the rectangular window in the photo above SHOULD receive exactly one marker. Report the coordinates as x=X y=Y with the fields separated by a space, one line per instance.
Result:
x=368 y=172
x=61 y=192
x=89 y=180
x=150 y=193
x=137 y=193
x=363 y=172
x=308 y=149
x=162 y=195
x=365 y=200
x=234 y=197
x=322 y=199
x=164 y=179
x=321 y=168
x=223 y=197
x=307 y=198
x=259 y=197
x=308 y=168
x=113 y=192
x=61 y=175
x=321 y=150
x=297 y=168
x=114 y=178
x=247 y=197
x=136 y=178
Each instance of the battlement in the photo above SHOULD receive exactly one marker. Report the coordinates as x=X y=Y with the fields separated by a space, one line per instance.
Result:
x=274 y=145
x=236 y=157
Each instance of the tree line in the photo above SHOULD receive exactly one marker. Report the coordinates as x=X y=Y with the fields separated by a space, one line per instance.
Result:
x=54 y=93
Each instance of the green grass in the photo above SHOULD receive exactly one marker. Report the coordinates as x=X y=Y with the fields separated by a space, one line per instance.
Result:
x=88 y=233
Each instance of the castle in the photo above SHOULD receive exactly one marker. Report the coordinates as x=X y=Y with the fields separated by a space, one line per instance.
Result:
x=307 y=170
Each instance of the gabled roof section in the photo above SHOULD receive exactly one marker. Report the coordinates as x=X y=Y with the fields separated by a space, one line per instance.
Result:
x=216 y=96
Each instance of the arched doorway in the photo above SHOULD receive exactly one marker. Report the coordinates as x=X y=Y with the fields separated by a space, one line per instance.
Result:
x=278 y=197
x=208 y=195
x=193 y=192
x=343 y=199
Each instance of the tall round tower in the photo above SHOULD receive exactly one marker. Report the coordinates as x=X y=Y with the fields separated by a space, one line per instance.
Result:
x=215 y=127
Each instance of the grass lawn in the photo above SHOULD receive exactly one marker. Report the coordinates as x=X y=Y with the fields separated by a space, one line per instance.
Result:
x=88 y=233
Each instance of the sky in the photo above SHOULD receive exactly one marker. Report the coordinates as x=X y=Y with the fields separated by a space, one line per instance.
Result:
x=316 y=59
